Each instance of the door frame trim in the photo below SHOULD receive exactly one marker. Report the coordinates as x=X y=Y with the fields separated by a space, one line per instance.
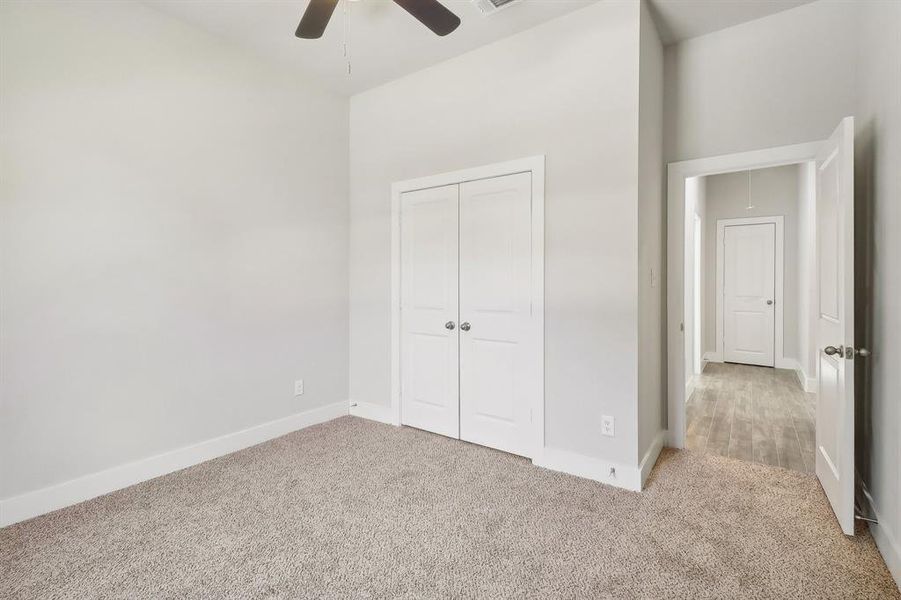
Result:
x=677 y=173
x=779 y=361
x=534 y=165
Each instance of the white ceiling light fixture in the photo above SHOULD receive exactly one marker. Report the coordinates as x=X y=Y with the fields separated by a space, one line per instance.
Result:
x=489 y=7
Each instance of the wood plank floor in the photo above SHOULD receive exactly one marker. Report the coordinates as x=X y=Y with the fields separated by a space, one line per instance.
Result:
x=753 y=413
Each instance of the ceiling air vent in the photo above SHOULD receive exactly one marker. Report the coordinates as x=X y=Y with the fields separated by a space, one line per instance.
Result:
x=489 y=7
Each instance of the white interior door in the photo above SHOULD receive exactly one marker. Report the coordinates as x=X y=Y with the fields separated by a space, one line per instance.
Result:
x=835 y=322
x=749 y=294
x=499 y=361
x=429 y=309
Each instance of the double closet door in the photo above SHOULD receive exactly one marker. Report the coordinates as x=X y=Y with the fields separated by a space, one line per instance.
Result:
x=469 y=347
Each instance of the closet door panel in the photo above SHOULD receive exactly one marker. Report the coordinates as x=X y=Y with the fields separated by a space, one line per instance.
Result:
x=498 y=352
x=429 y=304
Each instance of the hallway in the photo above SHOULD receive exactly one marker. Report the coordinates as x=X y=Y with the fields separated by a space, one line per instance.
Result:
x=753 y=413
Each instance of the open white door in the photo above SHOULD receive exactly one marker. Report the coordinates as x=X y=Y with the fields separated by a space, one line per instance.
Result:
x=835 y=322
x=429 y=338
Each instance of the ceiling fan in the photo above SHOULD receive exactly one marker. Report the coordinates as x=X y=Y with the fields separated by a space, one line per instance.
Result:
x=430 y=13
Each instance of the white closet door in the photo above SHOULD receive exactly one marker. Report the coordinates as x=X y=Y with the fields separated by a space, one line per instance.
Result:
x=749 y=288
x=498 y=347
x=429 y=309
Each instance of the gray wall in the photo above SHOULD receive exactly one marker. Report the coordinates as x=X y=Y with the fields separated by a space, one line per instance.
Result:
x=550 y=90
x=173 y=240
x=651 y=288
x=878 y=254
x=773 y=192
x=783 y=79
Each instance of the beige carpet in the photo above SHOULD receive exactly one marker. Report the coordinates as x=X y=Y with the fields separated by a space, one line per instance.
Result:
x=354 y=509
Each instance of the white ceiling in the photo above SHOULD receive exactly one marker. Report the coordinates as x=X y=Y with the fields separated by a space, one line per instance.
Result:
x=387 y=43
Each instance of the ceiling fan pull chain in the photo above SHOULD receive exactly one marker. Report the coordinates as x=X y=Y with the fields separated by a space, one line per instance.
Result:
x=347 y=35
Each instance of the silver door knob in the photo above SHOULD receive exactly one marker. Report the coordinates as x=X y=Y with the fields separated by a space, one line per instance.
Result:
x=769 y=302
x=465 y=326
x=450 y=325
x=851 y=352
x=833 y=351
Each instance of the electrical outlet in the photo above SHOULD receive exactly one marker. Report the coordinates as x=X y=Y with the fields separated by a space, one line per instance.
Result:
x=607 y=426
x=298 y=387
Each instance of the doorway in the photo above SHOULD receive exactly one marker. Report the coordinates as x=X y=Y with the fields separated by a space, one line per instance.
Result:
x=467 y=302
x=821 y=321
x=750 y=266
x=747 y=401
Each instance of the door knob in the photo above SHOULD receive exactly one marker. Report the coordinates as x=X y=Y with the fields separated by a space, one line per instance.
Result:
x=769 y=302
x=465 y=326
x=833 y=351
x=851 y=352
x=450 y=325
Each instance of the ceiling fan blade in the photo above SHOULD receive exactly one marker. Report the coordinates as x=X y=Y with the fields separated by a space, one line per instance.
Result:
x=312 y=24
x=432 y=14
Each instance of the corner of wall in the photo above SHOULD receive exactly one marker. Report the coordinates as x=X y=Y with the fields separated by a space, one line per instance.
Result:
x=650 y=238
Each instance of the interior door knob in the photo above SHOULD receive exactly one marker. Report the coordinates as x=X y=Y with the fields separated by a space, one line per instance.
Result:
x=450 y=325
x=465 y=326
x=769 y=302
x=833 y=351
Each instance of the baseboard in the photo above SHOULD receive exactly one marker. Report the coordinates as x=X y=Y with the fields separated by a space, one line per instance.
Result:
x=715 y=357
x=690 y=387
x=650 y=457
x=802 y=378
x=886 y=540
x=669 y=440
x=373 y=412
x=39 y=502
x=889 y=548
x=808 y=384
x=786 y=363
x=572 y=463
x=811 y=385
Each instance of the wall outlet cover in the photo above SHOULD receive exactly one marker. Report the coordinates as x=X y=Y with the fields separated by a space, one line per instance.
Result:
x=298 y=387
x=607 y=426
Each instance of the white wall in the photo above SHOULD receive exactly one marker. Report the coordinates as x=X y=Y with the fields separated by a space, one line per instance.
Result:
x=774 y=191
x=784 y=79
x=173 y=240
x=568 y=89
x=878 y=253
x=807 y=265
x=695 y=205
x=651 y=289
